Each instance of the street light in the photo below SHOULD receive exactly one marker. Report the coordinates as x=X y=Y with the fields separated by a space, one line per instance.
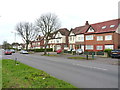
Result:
x=14 y=39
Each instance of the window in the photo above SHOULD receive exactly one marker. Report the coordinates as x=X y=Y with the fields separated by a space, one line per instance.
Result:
x=99 y=38
x=89 y=47
x=70 y=38
x=111 y=26
x=108 y=37
x=104 y=27
x=99 y=47
x=57 y=41
x=89 y=37
x=109 y=46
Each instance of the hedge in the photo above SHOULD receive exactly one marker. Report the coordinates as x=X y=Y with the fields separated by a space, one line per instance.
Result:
x=42 y=50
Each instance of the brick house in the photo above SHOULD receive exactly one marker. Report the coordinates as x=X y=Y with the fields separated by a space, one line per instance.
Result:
x=103 y=35
x=96 y=37
x=38 y=43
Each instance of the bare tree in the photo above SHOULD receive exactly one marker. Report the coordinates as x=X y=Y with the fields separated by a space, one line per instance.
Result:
x=27 y=31
x=47 y=23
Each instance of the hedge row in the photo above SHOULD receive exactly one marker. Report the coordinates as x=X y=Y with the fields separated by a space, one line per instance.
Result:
x=42 y=50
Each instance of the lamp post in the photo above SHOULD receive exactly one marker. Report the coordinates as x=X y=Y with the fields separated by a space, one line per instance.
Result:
x=14 y=38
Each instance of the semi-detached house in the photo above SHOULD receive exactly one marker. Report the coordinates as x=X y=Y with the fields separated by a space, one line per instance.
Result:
x=96 y=37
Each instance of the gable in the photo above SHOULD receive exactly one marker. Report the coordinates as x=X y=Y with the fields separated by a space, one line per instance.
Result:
x=71 y=34
x=58 y=35
x=90 y=30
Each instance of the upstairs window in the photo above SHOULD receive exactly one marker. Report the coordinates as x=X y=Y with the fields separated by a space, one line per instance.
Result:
x=104 y=27
x=108 y=37
x=111 y=26
x=89 y=37
x=99 y=38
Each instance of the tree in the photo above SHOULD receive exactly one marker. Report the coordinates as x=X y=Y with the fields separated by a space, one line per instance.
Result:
x=6 y=45
x=27 y=31
x=47 y=24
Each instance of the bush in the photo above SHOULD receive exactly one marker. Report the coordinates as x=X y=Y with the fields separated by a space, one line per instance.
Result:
x=89 y=53
x=100 y=53
x=108 y=51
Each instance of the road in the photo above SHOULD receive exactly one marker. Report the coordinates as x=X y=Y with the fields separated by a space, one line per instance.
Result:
x=81 y=74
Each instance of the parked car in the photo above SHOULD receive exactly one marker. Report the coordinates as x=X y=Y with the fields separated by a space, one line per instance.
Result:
x=23 y=52
x=115 y=53
x=59 y=51
x=8 y=52
x=12 y=50
x=79 y=51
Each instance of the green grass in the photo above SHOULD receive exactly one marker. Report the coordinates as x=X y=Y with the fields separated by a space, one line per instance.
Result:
x=80 y=58
x=24 y=76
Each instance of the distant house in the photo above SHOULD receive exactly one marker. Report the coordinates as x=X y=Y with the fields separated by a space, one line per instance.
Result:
x=38 y=43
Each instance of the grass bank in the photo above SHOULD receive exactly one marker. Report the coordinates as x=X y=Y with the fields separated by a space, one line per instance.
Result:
x=23 y=76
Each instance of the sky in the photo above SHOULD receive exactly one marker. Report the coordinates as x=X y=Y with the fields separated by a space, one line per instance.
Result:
x=71 y=13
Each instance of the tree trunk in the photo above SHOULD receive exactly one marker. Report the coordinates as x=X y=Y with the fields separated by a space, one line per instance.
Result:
x=27 y=43
x=45 y=51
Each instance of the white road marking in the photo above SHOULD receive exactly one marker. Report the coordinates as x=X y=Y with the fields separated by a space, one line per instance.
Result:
x=90 y=67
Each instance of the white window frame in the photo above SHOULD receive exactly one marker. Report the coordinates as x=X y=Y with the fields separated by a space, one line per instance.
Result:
x=99 y=38
x=108 y=37
x=89 y=37
x=89 y=47
x=99 y=47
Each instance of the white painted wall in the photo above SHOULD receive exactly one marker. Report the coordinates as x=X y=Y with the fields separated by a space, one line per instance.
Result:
x=72 y=39
x=80 y=38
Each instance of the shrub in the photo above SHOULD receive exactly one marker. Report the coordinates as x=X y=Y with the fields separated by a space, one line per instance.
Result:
x=108 y=51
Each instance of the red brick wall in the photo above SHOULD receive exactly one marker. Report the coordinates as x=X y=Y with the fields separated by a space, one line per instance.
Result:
x=114 y=41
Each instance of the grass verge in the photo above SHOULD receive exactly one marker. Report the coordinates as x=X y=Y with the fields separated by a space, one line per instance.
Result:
x=23 y=76
x=80 y=58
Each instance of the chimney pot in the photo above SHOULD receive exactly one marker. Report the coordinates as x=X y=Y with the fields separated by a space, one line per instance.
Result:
x=86 y=23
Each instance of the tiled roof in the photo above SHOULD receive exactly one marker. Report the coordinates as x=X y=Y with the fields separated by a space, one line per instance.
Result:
x=106 y=26
x=80 y=30
x=102 y=27
x=64 y=31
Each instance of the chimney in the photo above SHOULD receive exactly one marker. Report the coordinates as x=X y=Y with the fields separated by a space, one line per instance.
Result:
x=86 y=23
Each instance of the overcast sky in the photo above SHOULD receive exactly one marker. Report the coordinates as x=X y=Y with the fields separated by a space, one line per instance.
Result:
x=72 y=13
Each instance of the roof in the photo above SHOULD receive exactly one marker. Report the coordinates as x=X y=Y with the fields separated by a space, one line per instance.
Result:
x=106 y=26
x=102 y=27
x=80 y=30
x=64 y=31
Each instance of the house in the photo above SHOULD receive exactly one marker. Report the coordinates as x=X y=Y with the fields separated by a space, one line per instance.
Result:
x=76 y=37
x=103 y=35
x=38 y=43
x=96 y=37
x=59 y=39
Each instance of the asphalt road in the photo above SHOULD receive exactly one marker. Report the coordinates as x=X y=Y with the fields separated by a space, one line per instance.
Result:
x=81 y=74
